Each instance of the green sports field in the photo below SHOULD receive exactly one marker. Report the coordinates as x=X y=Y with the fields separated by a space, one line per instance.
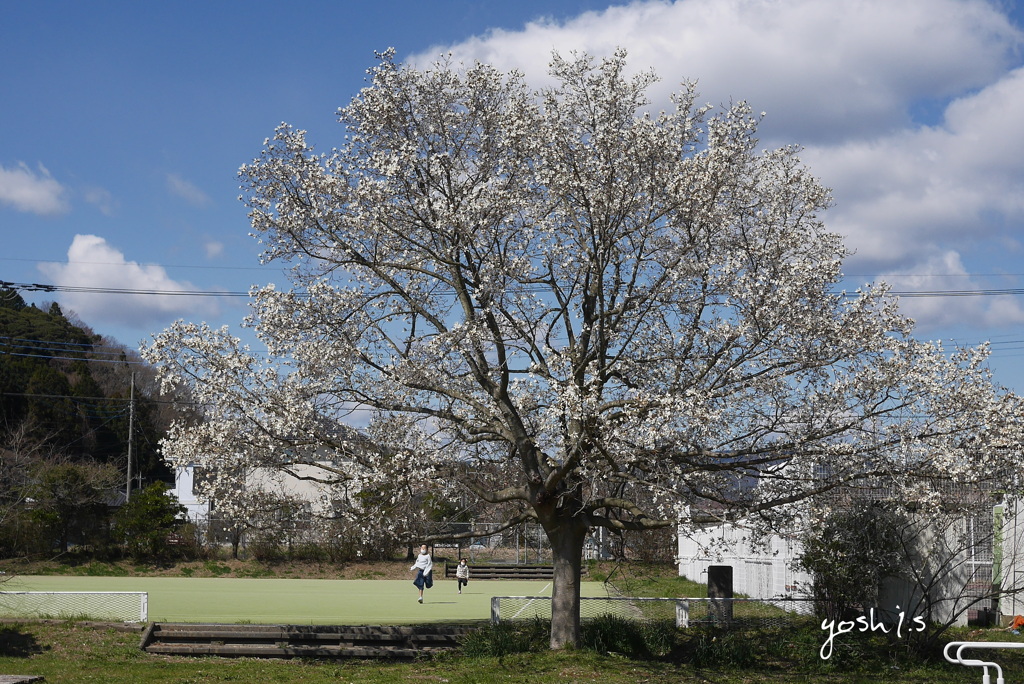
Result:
x=301 y=601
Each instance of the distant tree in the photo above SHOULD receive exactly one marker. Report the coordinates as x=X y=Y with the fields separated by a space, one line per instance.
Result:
x=70 y=500
x=603 y=301
x=17 y=456
x=50 y=408
x=144 y=525
x=72 y=387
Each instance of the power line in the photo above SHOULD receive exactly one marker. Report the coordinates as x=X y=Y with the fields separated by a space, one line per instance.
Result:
x=998 y=292
x=72 y=358
x=265 y=268
x=135 y=264
x=50 y=349
x=69 y=344
x=66 y=347
x=39 y=287
x=124 y=400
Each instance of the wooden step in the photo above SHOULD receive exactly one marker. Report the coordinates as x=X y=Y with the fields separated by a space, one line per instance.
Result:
x=300 y=641
x=269 y=651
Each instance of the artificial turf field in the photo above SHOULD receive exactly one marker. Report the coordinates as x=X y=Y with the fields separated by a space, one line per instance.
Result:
x=302 y=601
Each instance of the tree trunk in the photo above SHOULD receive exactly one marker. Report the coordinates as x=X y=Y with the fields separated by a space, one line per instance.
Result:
x=567 y=537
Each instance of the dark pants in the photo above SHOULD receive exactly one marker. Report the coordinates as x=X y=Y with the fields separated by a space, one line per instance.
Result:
x=423 y=581
x=462 y=582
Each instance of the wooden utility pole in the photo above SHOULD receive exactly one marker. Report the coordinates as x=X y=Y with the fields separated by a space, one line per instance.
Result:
x=131 y=435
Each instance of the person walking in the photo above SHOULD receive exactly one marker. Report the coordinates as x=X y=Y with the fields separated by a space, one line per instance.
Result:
x=462 y=574
x=424 y=567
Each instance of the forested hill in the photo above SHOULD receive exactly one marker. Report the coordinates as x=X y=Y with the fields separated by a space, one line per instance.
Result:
x=65 y=391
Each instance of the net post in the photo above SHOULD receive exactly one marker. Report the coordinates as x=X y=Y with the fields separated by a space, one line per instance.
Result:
x=682 y=614
x=495 y=611
x=144 y=608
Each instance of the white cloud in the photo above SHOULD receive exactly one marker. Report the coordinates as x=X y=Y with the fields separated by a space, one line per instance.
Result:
x=859 y=83
x=101 y=199
x=94 y=263
x=944 y=273
x=187 y=191
x=32 y=192
x=213 y=248
x=821 y=70
x=907 y=195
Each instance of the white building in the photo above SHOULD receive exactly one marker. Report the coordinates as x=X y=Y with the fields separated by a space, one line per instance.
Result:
x=958 y=568
x=272 y=485
x=761 y=571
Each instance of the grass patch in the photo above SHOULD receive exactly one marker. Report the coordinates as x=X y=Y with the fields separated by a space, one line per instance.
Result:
x=634 y=582
x=255 y=571
x=216 y=569
x=100 y=569
x=789 y=653
x=71 y=653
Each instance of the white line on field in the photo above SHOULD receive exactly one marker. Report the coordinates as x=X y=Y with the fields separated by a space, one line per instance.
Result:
x=530 y=602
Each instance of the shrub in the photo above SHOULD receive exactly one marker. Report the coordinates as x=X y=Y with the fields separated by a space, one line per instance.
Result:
x=507 y=638
x=639 y=640
x=717 y=648
x=604 y=635
x=147 y=524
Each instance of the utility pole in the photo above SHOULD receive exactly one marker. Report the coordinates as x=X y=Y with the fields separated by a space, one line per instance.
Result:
x=131 y=435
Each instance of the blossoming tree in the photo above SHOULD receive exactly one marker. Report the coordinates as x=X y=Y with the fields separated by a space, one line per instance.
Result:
x=555 y=300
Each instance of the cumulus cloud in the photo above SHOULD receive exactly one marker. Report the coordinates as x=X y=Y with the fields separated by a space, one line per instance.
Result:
x=822 y=70
x=94 y=263
x=910 y=111
x=916 y=191
x=34 y=192
x=187 y=191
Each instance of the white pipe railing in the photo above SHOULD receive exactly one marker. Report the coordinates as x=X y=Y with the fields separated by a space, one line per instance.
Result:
x=959 y=659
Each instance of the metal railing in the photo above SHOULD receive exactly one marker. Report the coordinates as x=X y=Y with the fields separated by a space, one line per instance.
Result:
x=959 y=659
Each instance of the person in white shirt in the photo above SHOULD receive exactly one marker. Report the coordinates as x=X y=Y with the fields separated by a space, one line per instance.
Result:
x=424 y=568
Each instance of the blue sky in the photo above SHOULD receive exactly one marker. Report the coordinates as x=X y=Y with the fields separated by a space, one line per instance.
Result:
x=124 y=124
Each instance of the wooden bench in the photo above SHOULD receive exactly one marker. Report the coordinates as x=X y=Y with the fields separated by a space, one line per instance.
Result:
x=482 y=571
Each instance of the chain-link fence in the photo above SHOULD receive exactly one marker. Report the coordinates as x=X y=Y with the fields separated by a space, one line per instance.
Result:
x=683 y=612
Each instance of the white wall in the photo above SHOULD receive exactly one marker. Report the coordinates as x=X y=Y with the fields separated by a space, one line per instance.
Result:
x=315 y=494
x=761 y=571
x=1012 y=561
x=184 y=490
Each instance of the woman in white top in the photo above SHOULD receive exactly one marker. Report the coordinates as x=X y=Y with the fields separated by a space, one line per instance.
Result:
x=424 y=568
